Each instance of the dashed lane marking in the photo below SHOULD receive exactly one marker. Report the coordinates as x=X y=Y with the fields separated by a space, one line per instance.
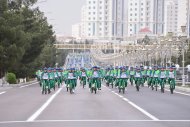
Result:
x=3 y=92
x=135 y=106
x=174 y=91
x=179 y=92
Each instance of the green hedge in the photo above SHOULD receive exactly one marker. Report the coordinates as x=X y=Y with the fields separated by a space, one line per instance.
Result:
x=11 y=78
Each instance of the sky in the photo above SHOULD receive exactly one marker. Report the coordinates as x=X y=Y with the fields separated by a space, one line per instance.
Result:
x=62 y=14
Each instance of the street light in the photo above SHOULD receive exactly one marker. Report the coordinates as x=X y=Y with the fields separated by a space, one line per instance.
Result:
x=183 y=28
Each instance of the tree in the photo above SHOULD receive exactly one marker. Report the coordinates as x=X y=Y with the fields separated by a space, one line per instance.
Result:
x=24 y=34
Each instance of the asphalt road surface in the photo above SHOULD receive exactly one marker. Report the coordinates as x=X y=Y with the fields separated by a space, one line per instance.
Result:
x=27 y=107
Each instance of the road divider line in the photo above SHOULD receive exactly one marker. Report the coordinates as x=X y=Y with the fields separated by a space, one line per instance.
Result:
x=174 y=91
x=51 y=121
x=28 y=85
x=3 y=92
x=135 y=106
x=179 y=92
x=44 y=106
x=96 y=120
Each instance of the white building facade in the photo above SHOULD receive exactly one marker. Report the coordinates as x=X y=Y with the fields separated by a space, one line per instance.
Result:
x=83 y=22
x=145 y=14
x=104 y=19
x=188 y=28
x=76 y=31
x=183 y=14
x=171 y=16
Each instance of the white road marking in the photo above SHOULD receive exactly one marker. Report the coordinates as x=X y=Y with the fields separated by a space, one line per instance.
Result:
x=46 y=121
x=137 y=107
x=28 y=85
x=2 y=92
x=179 y=92
x=44 y=106
x=174 y=91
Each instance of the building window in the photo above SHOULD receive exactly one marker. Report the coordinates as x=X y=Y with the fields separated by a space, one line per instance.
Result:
x=131 y=14
x=135 y=14
x=131 y=25
x=131 y=30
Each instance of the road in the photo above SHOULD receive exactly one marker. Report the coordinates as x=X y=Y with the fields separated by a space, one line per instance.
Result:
x=26 y=106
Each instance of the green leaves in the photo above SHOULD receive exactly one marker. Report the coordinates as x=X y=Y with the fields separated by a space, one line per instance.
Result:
x=24 y=32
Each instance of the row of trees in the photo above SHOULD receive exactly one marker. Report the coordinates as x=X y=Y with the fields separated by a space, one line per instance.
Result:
x=26 y=38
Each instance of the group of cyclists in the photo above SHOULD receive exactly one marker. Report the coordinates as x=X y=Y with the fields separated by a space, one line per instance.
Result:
x=118 y=77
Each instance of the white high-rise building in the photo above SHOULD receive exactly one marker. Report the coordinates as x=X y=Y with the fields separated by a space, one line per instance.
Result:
x=145 y=14
x=76 y=30
x=83 y=22
x=104 y=19
x=171 y=16
x=188 y=28
x=183 y=12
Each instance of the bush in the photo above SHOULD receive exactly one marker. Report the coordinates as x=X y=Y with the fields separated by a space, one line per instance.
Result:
x=11 y=78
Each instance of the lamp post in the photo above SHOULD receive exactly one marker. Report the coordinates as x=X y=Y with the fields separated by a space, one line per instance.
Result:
x=183 y=28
